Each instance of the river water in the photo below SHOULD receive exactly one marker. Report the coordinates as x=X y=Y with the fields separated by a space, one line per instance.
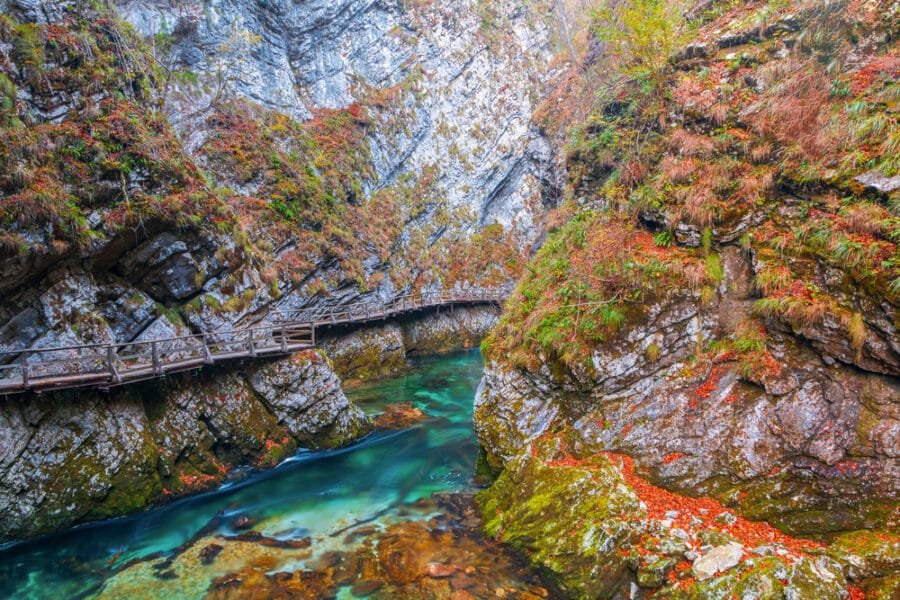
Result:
x=315 y=514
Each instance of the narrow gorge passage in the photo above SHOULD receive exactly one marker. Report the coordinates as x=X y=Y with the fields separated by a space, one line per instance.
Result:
x=316 y=512
x=691 y=390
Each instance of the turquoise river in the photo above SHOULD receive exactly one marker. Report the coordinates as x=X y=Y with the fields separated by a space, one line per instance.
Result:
x=381 y=499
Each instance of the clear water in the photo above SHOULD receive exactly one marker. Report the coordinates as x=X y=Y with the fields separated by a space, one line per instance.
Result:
x=312 y=494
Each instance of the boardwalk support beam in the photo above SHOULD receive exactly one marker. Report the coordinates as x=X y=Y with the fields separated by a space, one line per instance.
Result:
x=111 y=363
x=154 y=351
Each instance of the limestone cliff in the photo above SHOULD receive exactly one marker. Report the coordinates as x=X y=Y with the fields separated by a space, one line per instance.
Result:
x=719 y=304
x=171 y=168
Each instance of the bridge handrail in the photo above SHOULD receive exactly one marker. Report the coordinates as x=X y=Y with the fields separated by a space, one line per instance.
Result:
x=193 y=336
x=478 y=295
x=104 y=363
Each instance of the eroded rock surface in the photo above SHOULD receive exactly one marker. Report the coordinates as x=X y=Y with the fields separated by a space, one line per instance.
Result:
x=598 y=530
x=372 y=352
x=806 y=428
x=74 y=457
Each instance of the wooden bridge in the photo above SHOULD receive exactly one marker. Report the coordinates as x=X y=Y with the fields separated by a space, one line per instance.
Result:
x=107 y=365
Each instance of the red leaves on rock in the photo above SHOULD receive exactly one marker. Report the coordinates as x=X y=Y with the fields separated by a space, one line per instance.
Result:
x=659 y=502
x=856 y=593
x=709 y=385
x=672 y=457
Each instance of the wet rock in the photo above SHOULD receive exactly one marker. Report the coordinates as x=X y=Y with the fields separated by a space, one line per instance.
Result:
x=720 y=558
x=306 y=397
x=209 y=553
x=399 y=415
x=243 y=522
x=366 y=588
x=439 y=570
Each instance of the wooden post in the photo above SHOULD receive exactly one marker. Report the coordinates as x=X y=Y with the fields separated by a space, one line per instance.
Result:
x=283 y=340
x=207 y=355
x=250 y=345
x=154 y=351
x=24 y=360
x=111 y=364
x=312 y=334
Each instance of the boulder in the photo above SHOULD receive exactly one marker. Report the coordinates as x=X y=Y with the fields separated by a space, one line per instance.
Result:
x=720 y=558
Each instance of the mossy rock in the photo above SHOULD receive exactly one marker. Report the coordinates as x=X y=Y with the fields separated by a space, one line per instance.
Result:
x=882 y=588
x=866 y=554
x=569 y=519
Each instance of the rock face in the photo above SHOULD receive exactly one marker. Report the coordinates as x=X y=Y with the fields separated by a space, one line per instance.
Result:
x=477 y=68
x=822 y=431
x=701 y=320
x=373 y=133
x=596 y=531
x=379 y=351
x=69 y=458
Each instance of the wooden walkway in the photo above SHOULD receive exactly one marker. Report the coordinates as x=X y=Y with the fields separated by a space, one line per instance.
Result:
x=107 y=365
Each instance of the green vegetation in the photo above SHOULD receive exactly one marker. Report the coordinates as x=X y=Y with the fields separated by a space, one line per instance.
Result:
x=590 y=277
x=643 y=35
x=110 y=154
x=688 y=149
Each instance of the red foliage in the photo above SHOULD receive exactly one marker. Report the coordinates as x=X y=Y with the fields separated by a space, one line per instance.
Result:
x=887 y=65
x=672 y=457
x=659 y=502
x=711 y=382
x=855 y=592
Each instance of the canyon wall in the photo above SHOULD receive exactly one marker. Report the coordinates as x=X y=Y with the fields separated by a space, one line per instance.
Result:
x=693 y=392
x=172 y=168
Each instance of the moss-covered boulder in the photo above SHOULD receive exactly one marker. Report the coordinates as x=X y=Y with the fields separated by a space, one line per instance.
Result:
x=597 y=529
x=572 y=519
x=367 y=354
x=867 y=554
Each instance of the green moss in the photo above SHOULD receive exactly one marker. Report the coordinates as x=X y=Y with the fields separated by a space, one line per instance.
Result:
x=372 y=362
x=882 y=588
x=569 y=521
x=867 y=554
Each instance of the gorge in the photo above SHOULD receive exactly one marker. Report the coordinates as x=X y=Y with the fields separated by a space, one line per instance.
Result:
x=691 y=208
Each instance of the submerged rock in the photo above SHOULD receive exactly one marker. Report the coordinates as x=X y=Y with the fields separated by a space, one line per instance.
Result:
x=399 y=416
x=430 y=553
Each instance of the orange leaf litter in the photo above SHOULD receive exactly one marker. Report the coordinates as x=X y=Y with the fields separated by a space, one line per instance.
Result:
x=660 y=501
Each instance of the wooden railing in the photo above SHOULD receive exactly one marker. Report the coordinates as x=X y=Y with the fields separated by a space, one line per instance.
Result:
x=107 y=365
